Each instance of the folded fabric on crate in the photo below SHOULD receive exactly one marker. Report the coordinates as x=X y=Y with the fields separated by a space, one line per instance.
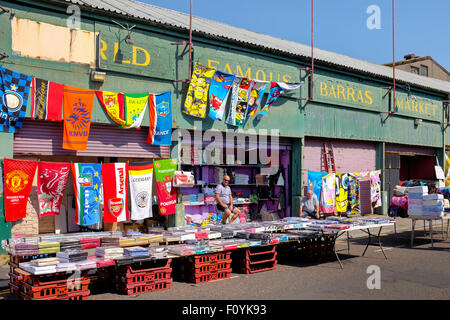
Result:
x=416 y=213
x=413 y=201
x=415 y=195
x=66 y=267
x=433 y=213
x=415 y=207
x=136 y=251
x=433 y=208
x=45 y=245
x=45 y=262
x=33 y=269
x=418 y=189
x=86 y=264
x=433 y=196
x=26 y=246
x=427 y=203
x=26 y=252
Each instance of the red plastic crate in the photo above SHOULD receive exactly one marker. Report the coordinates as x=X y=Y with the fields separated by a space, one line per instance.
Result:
x=211 y=267
x=145 y=277
x=83 y=295
x=253 y=251
x=144 y=288
x=53 y=278
x=206 y=277
x=147 y=266
x=209 y=258
x=37 y=292
x=15 y=279
x=260 y=258
x=14 y=290
x=266 y=266
x=12 y=267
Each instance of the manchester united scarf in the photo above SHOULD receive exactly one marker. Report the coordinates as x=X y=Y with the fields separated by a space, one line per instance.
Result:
x=197 y=95
x=218 y=94
x=231 y=118
x=276 y=89
x=167 y=194
x=328 y=193
x=135 y=104
x=47 y=100
x=257 y=90
x=19 y=175
x=87 y=179
x=77 y=117
x=240 y=104
x=51 y=180
x=141 y=182
x=113 y=104
x=115 y=192
x=14 y=91
x=160 y=117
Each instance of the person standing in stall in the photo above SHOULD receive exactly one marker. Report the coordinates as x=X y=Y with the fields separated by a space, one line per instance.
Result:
x=225 y=201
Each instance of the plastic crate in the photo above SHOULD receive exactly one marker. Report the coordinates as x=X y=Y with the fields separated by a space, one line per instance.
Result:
x=260 y=257
x=83 y=295
x=47 y=291
x=206 y=277
x=144 y=288
x=53 y=278
x=266 y=266
x=14 y=290
x=260 y=250
x=209 y=258
x=147 y=266
x=211 y=267
x=146 y=277
x=15 y=279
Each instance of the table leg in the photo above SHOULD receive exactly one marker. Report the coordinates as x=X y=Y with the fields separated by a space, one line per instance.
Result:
x=413 y=224
x=442 y=228
x=335 y=253
x=379 y=243
x=348 y=243
x=446 y=233
x=368 y=242
x=431 y=233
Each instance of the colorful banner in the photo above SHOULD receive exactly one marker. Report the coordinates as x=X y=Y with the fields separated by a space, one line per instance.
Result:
x=167 y=194
x=218 y=94
x=256 y=94
x=341 y=192
x=51 y=182
x=135 y=104
x=353 y=195
x=113 y=104
x=141 y=182
x=375 y=188
x=315 y=182
x=327 y=203
x=161 y=135
x=87 y=182
x=14 y=91
x=197 y=95
x=78 y=104
x=115 y=192
x=231 y=118
x=19 y=176
x=276 y=90
x=240 y=108
x=47 y=100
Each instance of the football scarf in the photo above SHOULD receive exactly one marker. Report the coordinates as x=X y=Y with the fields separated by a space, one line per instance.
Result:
x=197 y=95
x=19 y=175
x=14 y=91
x=160 y=127
x=51 y=183
x=218 y=94
x=276 y=89
x=231 y=118
x=341 y=192
x=315 y=182
x=115 y=192
x=113 y=104
x=167 y=194
x=257 y=90
x=353 y=195
x=328 y=194
x=375 y=188
x=135 y=104
x=78 y=104
x=240 y=108
x=141 y=182
x=47 y=100
x=87 y=179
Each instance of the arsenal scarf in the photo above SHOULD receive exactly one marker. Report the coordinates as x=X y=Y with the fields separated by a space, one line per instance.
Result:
x=327 y=202
x=113 y=104
x=47 y=100
x=52 y=179
x=231 y=118
x=197 y=95
x=160 y=128
x=257 y=90
x=135 y=104
x=167 y=194
x=87 y=182
x=19 y=175
x=14 y=91
x=141 y=182
x=218 y=94
x=115 y=192
x=276 y=89
x=77 y=117
x=240 y=106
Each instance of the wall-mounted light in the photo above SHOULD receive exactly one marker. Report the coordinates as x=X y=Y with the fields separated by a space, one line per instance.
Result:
x=417 y=122
x=98 y=76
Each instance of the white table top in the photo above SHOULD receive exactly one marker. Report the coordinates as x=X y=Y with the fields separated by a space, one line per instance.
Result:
x=360 y=227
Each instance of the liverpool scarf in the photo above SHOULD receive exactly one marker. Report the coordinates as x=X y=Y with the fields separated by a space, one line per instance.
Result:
x=77 y=117
x=141 y=182
x=115 y=192
x=276 y=89
x=328 y=194
x=47 y=100
x=113 y=104
x=218 y=94
x=342 y=183
x=135 y=104
x=167 y=194
x=257 y=90
x=51 y=180
x=231 y=118
x=197 y=95
x=87 y=179
x=160 y=117
x=14 y=91
x=19 y=176
x=239 y=104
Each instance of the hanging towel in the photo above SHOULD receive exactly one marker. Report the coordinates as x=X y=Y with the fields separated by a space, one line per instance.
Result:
x=113 y=104
x=135 y=104
x=256 y=94
x=341 y=192
x=315 y=182
x=375 y=188
x=167 y=193
x=47 y=100
x=238 y=110
x=231 y=118
x=197 y=95
x=276 y=90
x=327 y=203
x=115 y=192
x=51 y=182
x=160 y=128
x=218 y=94
x=141 y=183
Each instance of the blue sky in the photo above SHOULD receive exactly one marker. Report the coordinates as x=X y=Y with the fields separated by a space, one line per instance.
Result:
x=421 y=27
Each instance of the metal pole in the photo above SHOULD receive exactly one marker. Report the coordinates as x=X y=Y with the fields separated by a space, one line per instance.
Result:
x=393 y=51
x=190 y=42
x=312 y=49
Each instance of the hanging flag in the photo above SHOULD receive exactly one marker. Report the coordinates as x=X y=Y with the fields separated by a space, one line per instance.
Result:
x=87 y=179
x=239 y=104
x=375 y=188
x=14 y=91
x=353 y=195
x=51 y=183
x=78 y=104
x=315 y=182
x=276 y=90
x=218 y=94
x=113 y=104
x=167 y=194
x=257 y=90
x=47 y=100
x=135 y=104
x=342 y=183
x=141 y=182
x=19 y=176
x=160 y=128
x=197 y=95
x=327 y=203
x=231 y=118
x=115 y=192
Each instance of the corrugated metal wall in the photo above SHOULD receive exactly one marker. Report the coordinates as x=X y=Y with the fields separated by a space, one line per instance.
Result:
x=45 y=138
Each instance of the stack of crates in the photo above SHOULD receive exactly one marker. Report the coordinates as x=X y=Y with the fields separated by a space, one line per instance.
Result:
x=205 y=267
x=255 y=259
x=143 y=277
